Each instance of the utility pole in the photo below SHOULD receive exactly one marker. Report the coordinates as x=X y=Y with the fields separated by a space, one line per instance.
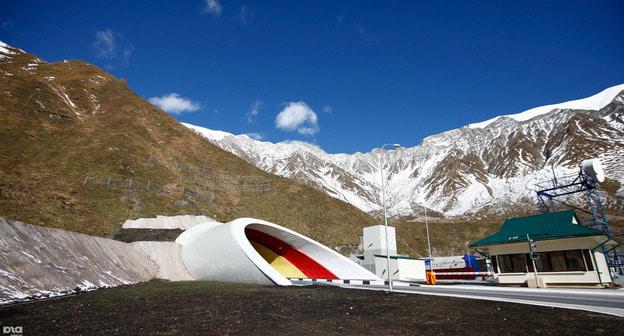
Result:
x=383 y=201
x=533 y=256
x=428 y=242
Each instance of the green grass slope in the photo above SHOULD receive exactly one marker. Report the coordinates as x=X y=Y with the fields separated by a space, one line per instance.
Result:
x=61 y=122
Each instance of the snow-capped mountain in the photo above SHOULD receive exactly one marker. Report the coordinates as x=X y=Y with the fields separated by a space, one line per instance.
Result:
x=486 y=167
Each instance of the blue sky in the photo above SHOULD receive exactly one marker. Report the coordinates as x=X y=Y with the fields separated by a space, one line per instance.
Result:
x=348 y=76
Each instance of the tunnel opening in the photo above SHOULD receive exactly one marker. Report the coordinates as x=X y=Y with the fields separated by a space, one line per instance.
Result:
x=285 y=258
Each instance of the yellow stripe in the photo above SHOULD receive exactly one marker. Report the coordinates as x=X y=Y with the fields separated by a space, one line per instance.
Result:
x=278 y=262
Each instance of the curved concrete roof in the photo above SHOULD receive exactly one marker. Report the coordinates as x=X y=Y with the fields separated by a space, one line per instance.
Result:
x=226 y=252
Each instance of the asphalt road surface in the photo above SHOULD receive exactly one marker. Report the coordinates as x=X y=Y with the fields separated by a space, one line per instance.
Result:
x=598 y=300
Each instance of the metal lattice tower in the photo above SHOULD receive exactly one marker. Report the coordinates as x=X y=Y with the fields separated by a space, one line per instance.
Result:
x=556 y=193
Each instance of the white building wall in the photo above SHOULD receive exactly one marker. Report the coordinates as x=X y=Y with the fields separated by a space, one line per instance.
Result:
x=401 y=269
x=411 y=270
x=374 y=242
x=375 y=239
x=603 y=267
x=554 y=278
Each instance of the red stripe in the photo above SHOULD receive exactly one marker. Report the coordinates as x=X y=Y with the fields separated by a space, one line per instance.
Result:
x=305 y=264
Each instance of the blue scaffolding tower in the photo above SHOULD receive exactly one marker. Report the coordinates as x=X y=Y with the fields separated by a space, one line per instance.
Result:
x=554 y=194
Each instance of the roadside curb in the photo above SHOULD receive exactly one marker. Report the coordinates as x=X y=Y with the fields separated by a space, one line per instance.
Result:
x=355 y=282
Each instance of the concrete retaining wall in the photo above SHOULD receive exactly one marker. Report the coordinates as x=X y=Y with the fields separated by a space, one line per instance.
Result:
x=37 y=261
x=183 y=222
x=168 y=258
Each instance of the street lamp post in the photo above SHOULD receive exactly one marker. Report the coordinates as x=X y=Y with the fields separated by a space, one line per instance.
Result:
x=383 y=201
x=428 y=242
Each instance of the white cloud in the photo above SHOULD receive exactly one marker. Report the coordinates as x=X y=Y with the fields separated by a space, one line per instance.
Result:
x=245 y=15
x=255 y=136
x=175 y=104
x=105 y=45
x=254 y=110
x=297 y=116
x=212 y=7
x=307 y=130
x=6 y=25
x=328 y=109
x=110 y=46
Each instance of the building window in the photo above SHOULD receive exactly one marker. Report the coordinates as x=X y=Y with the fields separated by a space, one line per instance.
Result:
x=553 y=261
x=542 y=262
x=561 y=261
x=557 y=261
x=574 y=260
x=588 y=260
x=512 y=263
x=529 y=262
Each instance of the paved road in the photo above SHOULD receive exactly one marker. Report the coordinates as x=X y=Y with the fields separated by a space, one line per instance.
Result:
x=597 y=300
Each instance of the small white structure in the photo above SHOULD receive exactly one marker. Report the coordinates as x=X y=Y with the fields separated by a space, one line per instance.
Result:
x=374 y=243
x=593 y=168
x=183 y=222
x=374 y=256
x=255 y=251
x=402 y=268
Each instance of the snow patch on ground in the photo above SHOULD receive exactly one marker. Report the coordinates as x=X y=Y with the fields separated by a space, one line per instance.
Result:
x=5 y=51
x=38 y=261
x=60 y=91
x=183 y=222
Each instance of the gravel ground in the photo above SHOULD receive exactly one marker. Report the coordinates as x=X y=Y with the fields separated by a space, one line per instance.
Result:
x=233 y=309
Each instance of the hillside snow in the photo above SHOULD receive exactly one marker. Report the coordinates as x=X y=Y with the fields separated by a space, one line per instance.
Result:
x=487 y=167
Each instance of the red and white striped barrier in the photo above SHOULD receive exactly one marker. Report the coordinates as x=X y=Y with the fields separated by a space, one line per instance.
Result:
x=463 y=273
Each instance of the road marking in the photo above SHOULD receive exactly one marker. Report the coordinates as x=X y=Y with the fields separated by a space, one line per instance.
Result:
x=537 y=295
x=596 y=309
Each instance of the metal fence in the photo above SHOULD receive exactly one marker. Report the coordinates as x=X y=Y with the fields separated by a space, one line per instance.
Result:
x=226 y=184
x=134 y=185
x=204 y=177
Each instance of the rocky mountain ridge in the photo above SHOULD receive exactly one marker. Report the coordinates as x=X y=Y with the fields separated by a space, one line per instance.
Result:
x=481 y=169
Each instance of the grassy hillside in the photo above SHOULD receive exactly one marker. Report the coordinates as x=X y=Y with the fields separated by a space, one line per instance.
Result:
x=62 y=122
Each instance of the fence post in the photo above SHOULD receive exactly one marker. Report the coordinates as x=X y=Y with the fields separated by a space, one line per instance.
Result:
x=148 y=184
x=85 y=181
x=130 y=184
x=108 y=182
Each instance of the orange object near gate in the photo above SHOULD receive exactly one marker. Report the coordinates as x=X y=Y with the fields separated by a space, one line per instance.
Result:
x=431 y=278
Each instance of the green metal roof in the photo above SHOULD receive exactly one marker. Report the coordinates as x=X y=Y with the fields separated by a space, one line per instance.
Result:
x=551 y=225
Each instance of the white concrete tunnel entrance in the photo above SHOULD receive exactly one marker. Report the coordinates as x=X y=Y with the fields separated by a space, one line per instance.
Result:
x=256 y=251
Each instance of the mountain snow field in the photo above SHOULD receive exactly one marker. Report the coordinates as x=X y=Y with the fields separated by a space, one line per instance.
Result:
x=488 y=167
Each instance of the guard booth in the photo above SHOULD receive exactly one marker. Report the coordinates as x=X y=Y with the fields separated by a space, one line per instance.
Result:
x=566 y=254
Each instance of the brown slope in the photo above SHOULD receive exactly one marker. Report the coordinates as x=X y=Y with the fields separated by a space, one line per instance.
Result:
x=61 y=122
